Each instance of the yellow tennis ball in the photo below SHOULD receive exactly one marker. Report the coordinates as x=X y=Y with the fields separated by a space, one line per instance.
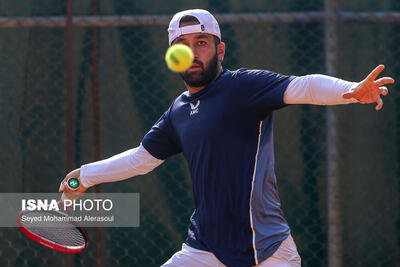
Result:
x=179 y=57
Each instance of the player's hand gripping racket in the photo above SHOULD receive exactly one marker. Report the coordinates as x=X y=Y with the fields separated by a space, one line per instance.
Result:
x=60 y=234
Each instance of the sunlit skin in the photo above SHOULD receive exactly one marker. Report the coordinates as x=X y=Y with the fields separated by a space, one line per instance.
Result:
x=204 y=49
x=72 y=194
x=370 y=89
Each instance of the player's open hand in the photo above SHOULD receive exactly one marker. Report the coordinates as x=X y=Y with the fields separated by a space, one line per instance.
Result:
x=370 y=90
x=69 y=192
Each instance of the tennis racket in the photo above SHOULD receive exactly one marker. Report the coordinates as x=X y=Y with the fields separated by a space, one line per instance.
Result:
x=60 y=234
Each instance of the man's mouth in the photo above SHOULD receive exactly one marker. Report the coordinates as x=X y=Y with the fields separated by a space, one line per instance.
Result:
x=195 y=67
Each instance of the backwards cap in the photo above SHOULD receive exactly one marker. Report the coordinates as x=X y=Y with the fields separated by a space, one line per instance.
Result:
x=208 y=24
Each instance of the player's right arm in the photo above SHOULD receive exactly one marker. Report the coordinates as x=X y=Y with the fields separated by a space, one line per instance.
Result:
x=157 y=145
x=133 y=162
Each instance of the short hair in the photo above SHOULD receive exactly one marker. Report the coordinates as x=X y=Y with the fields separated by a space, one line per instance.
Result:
x=189 y=18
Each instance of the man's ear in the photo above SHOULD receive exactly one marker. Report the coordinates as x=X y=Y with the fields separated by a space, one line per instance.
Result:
x=221 y=51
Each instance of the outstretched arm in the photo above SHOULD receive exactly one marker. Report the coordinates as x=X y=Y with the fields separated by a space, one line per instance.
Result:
x=370 y=90
x=136 y=161
x=325 y=90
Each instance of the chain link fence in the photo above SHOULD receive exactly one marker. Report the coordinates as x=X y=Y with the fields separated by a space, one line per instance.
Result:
x=81 y=84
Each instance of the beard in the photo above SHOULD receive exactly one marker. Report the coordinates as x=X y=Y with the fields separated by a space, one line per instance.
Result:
x=206 y=76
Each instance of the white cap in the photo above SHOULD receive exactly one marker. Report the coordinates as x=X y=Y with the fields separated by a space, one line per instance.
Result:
x=208 y=24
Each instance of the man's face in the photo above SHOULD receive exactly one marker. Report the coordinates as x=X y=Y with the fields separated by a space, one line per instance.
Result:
x=207 y=58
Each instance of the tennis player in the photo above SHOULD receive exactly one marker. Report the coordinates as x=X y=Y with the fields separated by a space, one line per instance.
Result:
x=223 y=126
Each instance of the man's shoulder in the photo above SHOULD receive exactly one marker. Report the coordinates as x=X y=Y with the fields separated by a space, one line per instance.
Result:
x=182 y=99
x=250 y=76
x=244 y=73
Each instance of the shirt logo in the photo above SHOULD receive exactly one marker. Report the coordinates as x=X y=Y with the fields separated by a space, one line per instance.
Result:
x=194 y=108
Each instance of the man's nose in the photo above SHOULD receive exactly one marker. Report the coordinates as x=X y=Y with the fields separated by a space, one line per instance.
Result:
x=194 y=50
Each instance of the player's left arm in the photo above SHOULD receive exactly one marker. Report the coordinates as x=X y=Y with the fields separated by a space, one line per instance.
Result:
x=325 y=90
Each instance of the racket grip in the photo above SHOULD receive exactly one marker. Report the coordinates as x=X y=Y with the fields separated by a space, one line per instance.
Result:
x=64 y=197
x=73 y=185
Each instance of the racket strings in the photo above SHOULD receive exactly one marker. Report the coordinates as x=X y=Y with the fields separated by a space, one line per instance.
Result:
x=62 y=232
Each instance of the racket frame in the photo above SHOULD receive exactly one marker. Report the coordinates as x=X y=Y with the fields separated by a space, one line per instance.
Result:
x=48 y=243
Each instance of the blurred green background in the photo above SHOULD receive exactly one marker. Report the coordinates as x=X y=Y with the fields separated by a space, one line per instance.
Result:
x=135 y=87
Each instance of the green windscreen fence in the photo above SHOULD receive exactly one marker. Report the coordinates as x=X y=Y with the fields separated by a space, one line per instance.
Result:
x=135 y=87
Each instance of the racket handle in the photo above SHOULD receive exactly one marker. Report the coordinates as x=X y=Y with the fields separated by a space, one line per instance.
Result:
x=73 y=185
x=64 y=197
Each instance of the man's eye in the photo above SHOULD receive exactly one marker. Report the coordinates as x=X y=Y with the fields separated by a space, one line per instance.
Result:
x=201 y=42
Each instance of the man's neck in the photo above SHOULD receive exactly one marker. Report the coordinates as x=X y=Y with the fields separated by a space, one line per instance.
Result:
x=192 y=90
